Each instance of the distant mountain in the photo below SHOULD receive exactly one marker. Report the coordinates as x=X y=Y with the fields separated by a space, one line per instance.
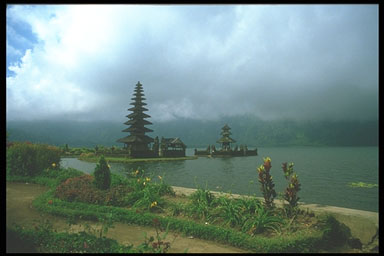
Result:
x=197 y=133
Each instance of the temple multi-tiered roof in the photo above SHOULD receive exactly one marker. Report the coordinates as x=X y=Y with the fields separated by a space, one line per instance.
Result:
x=137 y=142
x=225 y=140
x=226 y=149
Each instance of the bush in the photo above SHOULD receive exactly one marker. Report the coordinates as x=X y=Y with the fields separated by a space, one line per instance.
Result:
x=83 y=189
x=27 y=159
x=80 y=189
x=102 y=174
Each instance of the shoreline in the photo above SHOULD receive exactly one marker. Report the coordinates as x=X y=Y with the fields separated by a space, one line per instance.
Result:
x=364 y=225
x=134 y=160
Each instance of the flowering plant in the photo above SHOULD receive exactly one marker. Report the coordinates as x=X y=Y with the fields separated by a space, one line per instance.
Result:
x=267 y=185
x=293 y=188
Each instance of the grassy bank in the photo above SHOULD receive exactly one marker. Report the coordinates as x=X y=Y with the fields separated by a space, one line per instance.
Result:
x=185 y=217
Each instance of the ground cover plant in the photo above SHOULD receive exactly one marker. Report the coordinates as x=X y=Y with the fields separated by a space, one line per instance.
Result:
x=44 y=239
x=140 y=199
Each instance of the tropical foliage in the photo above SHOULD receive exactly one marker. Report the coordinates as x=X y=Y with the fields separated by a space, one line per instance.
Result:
x=27 y=159
x=267 y=185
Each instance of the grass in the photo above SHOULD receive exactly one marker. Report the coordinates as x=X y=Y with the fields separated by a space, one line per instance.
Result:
x=243 y=222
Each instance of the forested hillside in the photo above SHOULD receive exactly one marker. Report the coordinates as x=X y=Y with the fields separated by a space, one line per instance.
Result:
x=197 y=133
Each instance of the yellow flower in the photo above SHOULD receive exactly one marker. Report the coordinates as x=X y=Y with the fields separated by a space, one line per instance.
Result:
x=267 y=159
x=53 y=165
x=153 y=204
x=147 y=179
x=137 y=172
x=138 y=180
x=144 y=183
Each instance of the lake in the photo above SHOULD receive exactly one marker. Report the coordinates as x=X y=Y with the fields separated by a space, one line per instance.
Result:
x=324 y=173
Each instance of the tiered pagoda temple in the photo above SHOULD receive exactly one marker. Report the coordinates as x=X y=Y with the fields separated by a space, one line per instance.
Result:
x=138 y=143
x=226 y=149
x=225 y=140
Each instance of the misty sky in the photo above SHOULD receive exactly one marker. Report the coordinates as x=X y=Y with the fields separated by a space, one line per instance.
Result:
x=82 y=62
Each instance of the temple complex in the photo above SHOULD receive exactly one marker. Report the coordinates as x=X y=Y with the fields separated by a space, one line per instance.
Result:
x=226 y=149
x=138 y=144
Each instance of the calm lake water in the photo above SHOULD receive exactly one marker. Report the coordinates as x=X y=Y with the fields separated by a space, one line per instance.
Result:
x=324 y=173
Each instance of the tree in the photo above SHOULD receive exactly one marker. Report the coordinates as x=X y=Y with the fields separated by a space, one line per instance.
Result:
x=102 y=174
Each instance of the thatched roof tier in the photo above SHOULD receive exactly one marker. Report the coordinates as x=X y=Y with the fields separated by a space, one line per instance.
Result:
x=226 y=133
x=226 y=140
x=138 y=108
x=137 y=122
x=138 y=98
x=133 y=129
x=136 y=139
x=226 y=128
x=137 y=114
x=138 y=103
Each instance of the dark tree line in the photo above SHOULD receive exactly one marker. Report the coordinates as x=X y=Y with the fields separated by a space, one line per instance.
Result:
x=197 y=133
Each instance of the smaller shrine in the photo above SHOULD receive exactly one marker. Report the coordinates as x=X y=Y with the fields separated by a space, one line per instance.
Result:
x=169 y=147
x=226 y=148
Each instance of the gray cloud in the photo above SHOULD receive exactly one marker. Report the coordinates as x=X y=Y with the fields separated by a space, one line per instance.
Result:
x=203 y=62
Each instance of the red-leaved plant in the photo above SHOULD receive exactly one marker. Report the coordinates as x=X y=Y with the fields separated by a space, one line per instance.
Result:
x=267 y=185
x=293 y=188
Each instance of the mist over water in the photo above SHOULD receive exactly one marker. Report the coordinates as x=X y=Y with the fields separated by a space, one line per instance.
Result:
x=324 y=173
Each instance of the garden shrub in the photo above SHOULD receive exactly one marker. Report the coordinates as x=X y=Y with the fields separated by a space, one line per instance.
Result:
x=83 y=189
x=102 y=174
x=79 y=189
x=27 y=159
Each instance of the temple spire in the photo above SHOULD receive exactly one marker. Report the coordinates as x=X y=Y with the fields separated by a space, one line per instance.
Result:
x=225 y=140
x=137 y=142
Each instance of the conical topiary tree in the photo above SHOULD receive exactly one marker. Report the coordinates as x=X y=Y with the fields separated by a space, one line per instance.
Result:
x=102 y=174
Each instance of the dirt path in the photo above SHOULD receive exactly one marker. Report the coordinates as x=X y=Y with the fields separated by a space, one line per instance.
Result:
x=19 y=197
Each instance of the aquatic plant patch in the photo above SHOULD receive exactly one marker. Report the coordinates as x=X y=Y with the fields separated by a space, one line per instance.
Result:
x=361 y=185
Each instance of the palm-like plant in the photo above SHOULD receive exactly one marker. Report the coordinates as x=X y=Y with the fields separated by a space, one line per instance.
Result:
x=201 y=201
x=261 y=221
x=230 y=210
